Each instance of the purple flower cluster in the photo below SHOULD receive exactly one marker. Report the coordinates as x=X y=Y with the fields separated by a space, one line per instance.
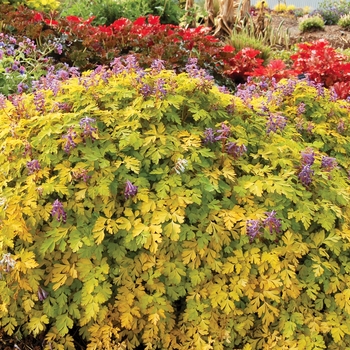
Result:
x=81 y=174
x=126 y=64
x=33 y=166
x=328 y=163
x=42 y=294
x=308 y=157
x=275 y=122
x=157 y=66
x=305 y=175
x=7 y=263
x=235 y=150
x=253 y=229
x=130 y=190
x=39 y=101
x=209 y=136
x=52 y=80
x=88 y=129
x=287 y=89
x=146 y=90
x=271 y=223
x=222 y=134
x=195 y=72
x=159 y=90
x=70 y=144
x=58 y=211
x=301 y=108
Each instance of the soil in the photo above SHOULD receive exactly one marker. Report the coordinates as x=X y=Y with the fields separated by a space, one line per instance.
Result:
x=335 y=35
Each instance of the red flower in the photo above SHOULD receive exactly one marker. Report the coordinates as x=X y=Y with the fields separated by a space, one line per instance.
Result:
x=141 y=21
x=89 y=20
x=51 y=22
x=38 y=17
x=153 y=20
x=120 y=23
x=228 y=48
x=74 y=19
x=275 y=69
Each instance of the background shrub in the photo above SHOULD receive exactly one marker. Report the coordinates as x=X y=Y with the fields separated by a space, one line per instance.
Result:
x=344 y=21
x=107 y=11
x=311 y=24
x=331 y=11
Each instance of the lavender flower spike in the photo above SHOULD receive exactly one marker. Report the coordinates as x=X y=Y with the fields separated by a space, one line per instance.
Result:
x=305 y=175
x=272 y=223
x=253 y=229
x=209 y=136
x=328 y=163
x=58 y=211
x=308 y=157
x=130 y=190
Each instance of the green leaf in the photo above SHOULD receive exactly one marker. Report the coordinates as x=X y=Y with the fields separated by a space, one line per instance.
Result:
x=63 y=323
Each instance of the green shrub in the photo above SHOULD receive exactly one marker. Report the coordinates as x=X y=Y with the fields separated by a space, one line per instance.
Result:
x=148 y=207
x=243 y=40
x=344 y=21
x=280 y=7
x=311 y=24
x=107 y=11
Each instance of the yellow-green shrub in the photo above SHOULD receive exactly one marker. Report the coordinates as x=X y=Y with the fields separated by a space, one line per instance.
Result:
x=280 y=7
x=127 y=196
x=43 y=5
x=261 y=4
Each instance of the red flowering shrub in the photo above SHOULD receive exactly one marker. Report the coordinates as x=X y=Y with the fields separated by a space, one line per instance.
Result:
x=274 y=69
x=243 y=62
x=322 y=63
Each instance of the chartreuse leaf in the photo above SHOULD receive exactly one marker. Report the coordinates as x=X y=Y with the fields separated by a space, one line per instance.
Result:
x=37 y=324
x=63 y=324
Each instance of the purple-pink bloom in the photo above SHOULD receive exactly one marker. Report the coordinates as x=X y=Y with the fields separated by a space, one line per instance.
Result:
x=42 y=294
x=209 y=136
x=33 y=166
x=305 y=175
x=308 y=157
x=301 y=108
x=58 y=211
x=88 y=129
x=253 y=229
x=276 y=123
x=272 y=223
x=224 y=132
x=235 y=150
x=39 y=101
x=157 y=65
x=70 y=144
x=328 y=163
x=130 y=190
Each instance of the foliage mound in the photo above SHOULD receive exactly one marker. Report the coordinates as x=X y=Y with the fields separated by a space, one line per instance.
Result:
x=144 y=207
x=312 y=23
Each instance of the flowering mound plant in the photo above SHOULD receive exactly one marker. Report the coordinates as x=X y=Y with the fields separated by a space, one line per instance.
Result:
x=144 y=207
